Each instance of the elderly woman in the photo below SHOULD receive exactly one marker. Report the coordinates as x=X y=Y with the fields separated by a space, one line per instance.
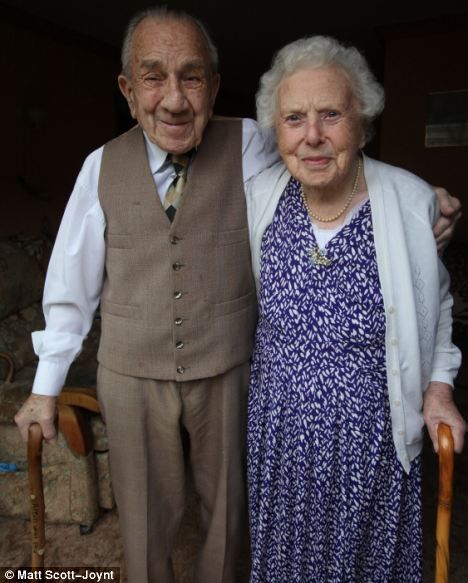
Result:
x=354 y=335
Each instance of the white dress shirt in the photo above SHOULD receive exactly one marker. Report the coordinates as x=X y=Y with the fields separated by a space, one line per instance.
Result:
x=75 y=274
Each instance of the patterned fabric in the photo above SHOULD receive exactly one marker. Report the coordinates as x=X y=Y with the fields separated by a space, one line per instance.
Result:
x=174 y=193
x=329 y=501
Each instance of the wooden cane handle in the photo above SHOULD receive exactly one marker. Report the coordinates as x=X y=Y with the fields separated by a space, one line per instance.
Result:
x=36 y=495
x=11 y=366
x=444 y=507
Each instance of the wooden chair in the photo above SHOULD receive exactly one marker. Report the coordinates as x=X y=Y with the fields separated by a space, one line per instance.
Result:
x=75 y=472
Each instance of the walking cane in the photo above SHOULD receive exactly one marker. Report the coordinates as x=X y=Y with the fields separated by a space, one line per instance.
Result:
x=36 y=496
x=444 y=508
x=71 y=423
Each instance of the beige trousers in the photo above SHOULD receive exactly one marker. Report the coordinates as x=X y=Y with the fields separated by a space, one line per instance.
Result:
x=144 y=419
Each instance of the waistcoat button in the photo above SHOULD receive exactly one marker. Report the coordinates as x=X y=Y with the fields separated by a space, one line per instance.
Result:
x=174 y=240
x=178 y=321
x=177 y=295
x=177 y=266
x=179 y=345
x=181 y=369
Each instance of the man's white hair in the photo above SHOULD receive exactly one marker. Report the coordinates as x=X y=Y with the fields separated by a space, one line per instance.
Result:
x=165 y=14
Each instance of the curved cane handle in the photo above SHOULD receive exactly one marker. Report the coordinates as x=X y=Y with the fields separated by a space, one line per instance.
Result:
x=36 y=495
x=444 y=507
x=10 y=375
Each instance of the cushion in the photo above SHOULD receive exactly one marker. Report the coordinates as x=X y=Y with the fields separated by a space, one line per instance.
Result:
x=21 y=279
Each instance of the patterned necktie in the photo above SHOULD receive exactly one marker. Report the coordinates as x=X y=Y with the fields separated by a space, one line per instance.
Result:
x=174 y=193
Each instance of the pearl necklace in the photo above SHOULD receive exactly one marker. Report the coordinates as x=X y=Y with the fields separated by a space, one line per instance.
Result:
x=343 y=209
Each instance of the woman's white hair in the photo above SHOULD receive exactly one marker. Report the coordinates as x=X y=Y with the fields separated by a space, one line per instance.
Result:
x=313 y=53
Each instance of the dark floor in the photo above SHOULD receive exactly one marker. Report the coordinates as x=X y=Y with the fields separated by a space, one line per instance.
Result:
x=102 y=548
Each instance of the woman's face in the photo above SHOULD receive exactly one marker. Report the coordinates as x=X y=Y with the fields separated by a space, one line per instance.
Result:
x=318 y=127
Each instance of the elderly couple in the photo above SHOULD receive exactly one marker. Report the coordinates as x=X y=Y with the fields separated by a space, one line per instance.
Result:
x=353 y=351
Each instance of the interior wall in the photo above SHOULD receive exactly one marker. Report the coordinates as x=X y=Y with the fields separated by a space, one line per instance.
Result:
x=419 y=60
x=60 y=101
x=58 y=105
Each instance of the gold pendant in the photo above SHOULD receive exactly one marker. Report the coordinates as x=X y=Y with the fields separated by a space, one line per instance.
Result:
x=319 y=258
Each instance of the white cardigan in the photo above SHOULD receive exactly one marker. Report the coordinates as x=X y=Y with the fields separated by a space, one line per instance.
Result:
x=415 y=287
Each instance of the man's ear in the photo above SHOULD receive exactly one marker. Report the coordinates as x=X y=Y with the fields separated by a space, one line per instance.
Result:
x=215 y=82
x=125 y=86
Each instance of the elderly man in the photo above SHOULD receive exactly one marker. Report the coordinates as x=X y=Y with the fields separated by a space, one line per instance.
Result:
x=177 y=298
x=173 y=278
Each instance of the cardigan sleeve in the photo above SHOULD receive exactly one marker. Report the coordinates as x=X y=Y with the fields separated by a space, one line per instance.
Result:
x=412 y=276
x=262 y=196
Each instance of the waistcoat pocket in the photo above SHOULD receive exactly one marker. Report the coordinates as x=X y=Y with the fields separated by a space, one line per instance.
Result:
x=232 y=306
x=120 y=310
x=235 y=236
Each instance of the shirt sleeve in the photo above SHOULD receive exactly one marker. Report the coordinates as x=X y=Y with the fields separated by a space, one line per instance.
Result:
x=73 y=282
x=447 y=357
x=259 y=150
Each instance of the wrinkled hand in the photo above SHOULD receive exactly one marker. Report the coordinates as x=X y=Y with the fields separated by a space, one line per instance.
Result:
x=450 y=212
x=439 y=407
x=40 y=409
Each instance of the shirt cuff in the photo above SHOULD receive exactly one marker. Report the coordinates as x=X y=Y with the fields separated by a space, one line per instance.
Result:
x=50 y=378
x=439 y=376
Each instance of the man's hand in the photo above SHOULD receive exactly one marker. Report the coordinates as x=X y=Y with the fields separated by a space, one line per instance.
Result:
x=450 y=212
x=439 y=407
x=40 y=409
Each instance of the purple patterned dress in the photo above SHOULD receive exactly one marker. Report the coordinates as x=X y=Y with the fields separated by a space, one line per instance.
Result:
x=329 y=502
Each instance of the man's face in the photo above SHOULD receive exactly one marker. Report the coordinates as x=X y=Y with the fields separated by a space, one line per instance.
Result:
x=171 y=90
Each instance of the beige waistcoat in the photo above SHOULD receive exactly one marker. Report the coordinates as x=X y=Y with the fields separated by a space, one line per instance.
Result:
x=178 y=301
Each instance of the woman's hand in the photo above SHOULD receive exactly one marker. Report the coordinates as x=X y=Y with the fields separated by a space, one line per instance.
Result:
x=450 y=212
x=439 y=407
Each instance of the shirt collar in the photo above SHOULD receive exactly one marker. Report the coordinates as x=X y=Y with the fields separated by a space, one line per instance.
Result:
x=156 y=157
